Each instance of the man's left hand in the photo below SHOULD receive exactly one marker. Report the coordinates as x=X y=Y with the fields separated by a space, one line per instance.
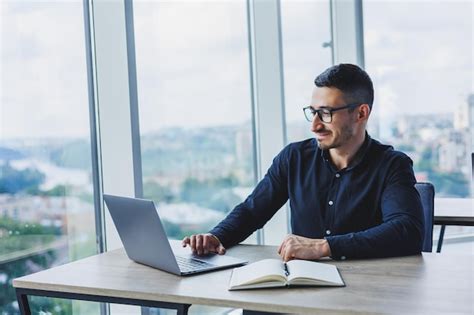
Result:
x=299 y=247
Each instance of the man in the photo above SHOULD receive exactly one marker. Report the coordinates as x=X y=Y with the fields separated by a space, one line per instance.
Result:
x=350 y=196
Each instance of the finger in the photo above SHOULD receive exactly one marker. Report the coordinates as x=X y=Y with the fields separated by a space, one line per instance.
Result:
x=193 y=243
x=282 y=245
x=214 y=239
x=289 y=252
x=282 y=253
x=205 y=244
x=281 y=256
x=185 y=241
x=199 y=244
x=220 y=250
x=288 y=255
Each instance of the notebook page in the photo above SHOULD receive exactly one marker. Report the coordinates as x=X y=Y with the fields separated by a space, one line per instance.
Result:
x=256 y=271
x=314 y=270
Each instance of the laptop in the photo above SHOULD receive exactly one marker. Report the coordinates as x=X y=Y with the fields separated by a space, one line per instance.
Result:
x=144 y=238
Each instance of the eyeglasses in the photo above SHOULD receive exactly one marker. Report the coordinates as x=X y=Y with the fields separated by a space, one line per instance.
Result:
x=325 y=114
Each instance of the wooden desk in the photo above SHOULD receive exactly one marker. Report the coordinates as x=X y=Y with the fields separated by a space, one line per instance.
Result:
x=452 y=211
x=423 y=284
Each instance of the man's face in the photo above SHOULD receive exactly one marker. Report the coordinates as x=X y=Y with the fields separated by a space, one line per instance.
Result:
x=342 y=128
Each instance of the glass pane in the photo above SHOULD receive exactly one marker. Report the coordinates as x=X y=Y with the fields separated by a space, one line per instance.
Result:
x=46 y=195
x=420 y=58
x=195 y=113
x=306 y=36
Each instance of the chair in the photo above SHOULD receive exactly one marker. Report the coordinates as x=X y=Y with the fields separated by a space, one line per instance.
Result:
x=427 y=193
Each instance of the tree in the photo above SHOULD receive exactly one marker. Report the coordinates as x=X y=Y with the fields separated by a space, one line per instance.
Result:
x=204 y=192
x=426 y=161
x=13 y=181
x=23 y=266
x=74 y=154
x=450 y=184
x=153 y=190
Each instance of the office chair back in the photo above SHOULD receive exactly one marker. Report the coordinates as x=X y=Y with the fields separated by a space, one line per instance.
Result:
x=427 y=193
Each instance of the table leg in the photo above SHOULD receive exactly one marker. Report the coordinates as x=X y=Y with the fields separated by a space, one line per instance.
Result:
x=22 y=299
x=440 y=239
x=182 y=309
x=249 y=312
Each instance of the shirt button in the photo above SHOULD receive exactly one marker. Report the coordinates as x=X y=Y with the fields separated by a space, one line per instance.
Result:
x=338 y=175
x=330 y=202
x=343 y=257
x=328 y=232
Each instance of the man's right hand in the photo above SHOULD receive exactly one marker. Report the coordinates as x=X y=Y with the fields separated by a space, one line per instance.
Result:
x=203 y=244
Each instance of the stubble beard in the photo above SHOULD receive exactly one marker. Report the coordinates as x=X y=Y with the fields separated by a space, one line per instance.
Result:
x=346 y=135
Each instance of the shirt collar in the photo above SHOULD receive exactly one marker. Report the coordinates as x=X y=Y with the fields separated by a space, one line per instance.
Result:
x=359 y=156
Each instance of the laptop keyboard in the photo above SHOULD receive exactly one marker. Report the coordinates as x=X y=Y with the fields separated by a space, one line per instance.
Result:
x=186 y=264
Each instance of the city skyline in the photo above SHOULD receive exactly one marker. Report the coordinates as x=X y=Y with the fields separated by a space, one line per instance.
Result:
x=173 y=155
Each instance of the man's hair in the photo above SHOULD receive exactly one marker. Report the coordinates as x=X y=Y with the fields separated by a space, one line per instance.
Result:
x=354 y=83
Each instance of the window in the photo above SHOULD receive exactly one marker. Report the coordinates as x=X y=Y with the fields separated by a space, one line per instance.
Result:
x=46 y=195
x=306 y=53
x=195 y=113
x=420 y=59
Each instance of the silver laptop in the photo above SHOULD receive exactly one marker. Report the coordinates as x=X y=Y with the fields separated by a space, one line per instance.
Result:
x=144 y=238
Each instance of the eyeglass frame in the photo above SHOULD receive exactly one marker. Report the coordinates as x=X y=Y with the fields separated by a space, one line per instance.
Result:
x=329 y=111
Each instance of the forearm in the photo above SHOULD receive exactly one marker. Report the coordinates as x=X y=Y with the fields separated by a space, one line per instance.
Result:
x=236 y=227
x=397 y=237
x=266 y=199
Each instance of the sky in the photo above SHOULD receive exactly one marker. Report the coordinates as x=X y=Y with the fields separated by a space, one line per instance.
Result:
x=43 y=83
x=420 y=55
x=193 y=69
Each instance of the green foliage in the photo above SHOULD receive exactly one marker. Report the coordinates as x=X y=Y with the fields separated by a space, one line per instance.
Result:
x=426 y=162
x=25 y=228
x=177 y=232
x=213 y=193
x=173 y=231
x=154 y=191
x=56 y=191
x=21 y=267
x=453 y=184
x=21 y=242
x=42 y=305
x=24 y=236
x=177 y=150
x=449 y=184
x=13 y=181
x=204 y=192
x=86 y=197
x=74 y=154
x=224 y=201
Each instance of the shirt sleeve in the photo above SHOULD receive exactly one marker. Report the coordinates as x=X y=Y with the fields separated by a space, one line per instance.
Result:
x=267 y=198
x=401 y=232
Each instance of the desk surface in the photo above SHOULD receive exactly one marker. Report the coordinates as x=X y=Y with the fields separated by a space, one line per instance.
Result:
x=428 y=283
x=454 y=211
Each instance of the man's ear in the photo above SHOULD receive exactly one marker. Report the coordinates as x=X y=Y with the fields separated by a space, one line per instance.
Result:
x=364 y=111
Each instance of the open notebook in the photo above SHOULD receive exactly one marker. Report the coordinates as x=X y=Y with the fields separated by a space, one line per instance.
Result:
x=269 y=273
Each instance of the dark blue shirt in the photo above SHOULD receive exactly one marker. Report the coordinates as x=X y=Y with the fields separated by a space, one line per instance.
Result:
x=369 y=209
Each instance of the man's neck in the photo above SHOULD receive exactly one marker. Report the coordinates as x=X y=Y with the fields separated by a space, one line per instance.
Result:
x=342 y=156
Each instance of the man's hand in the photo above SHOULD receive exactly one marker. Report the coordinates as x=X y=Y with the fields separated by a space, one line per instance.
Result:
x=203 y=244
x=298 y=247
